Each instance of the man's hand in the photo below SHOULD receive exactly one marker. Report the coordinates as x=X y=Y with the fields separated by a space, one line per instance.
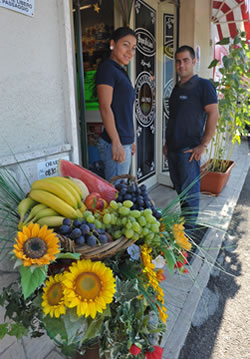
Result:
x=118 y=152
x=165 y=150
x=196 y=152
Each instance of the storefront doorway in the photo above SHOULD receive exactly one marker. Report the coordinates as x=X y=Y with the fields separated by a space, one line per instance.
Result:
x=151 y=71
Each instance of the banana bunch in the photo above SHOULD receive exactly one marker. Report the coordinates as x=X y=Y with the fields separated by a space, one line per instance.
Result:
x=50 y=201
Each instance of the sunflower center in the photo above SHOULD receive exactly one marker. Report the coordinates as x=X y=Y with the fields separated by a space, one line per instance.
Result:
x=88 y=285
x=55 y=294
x=35 y=247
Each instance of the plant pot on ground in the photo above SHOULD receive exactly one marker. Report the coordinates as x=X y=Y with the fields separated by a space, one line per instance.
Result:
x=213 y=181
x=233 y=101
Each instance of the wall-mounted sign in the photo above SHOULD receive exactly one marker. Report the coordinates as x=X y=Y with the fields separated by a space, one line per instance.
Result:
x=25 y=7
x=49 y=168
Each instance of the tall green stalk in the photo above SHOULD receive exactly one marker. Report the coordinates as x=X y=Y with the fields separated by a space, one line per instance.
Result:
x=234 y=99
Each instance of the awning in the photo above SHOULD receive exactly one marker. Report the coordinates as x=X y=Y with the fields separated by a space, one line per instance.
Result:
x=230 y=15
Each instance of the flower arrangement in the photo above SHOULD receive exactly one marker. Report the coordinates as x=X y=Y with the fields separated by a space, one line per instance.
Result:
x=115 y=303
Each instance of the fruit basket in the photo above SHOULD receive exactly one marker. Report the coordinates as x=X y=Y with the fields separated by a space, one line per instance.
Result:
x=106 y=250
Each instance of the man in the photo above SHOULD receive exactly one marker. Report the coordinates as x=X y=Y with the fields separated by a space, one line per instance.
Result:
x=193 y=117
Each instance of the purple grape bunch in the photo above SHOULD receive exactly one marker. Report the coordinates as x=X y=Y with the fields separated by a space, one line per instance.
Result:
x=128 y=190
x=82 y=232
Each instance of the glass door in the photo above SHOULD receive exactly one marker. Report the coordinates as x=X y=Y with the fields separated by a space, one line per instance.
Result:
x=145 y=88
x=167 y=41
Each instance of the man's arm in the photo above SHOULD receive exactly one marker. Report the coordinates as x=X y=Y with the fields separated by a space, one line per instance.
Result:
x=105 y=94
x=212 y=119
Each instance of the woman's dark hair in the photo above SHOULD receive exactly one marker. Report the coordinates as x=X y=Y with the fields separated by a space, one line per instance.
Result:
x=121 y=32
x=186 y=48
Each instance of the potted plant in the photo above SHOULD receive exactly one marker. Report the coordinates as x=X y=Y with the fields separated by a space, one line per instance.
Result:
x=233 y=100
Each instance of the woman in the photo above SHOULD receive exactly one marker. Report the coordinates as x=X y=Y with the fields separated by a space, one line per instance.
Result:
x=116 y=97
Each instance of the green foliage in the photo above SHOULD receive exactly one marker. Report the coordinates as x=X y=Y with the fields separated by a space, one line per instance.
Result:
x=32 y=278
x=22 y=317
x=234 y=100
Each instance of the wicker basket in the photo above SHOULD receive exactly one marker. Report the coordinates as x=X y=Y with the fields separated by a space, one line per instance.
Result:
x=102 y=251
x=95 y=253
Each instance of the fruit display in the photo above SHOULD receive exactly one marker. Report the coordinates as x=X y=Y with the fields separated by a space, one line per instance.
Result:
x=50 y=200
x=65 y=204
x=128 y=190
x=93 y=182
x=83 y=232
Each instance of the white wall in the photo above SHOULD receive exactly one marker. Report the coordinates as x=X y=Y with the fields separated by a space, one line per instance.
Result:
x=195 y=30
x=37 y=87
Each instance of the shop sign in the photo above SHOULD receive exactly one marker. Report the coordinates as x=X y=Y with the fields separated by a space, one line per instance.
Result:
x=145 y=99
x=145 y=42
x=49 y=168
x=25 y=7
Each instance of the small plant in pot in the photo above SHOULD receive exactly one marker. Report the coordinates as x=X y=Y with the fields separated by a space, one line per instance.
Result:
x=233 y=100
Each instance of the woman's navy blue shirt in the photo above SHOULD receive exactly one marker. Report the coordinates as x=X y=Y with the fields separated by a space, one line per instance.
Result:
x=111 y=73
x=186 y=113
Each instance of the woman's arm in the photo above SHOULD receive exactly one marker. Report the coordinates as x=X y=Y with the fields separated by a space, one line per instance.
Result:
x=105 y=94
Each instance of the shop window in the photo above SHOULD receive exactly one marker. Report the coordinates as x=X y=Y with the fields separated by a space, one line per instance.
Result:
x=97 y=25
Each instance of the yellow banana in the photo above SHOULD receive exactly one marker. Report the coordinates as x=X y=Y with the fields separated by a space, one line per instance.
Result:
x=83 y=208
x=53 y=202
x=83 y=188
x=71 y=188
x=68 y=180
x=34 y=211
x=25 y=205
x=57 y=189
x=51 y=221
x=46 y=212
x=79 y=213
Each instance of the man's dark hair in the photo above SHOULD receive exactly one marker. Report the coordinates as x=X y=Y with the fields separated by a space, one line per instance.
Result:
x=121 y=32
x=186 y=48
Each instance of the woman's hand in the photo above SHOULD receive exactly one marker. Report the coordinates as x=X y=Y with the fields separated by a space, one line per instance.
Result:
x=133 y=150
x=118 y=152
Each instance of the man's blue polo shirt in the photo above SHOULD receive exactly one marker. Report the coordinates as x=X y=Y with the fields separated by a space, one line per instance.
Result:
x=111 y=73
x=187 y=115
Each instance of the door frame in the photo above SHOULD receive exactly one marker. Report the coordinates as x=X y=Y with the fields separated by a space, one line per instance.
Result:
x=163 y=8
x=159 y=177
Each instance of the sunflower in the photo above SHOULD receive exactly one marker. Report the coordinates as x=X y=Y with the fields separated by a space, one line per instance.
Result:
x=53 y=296
x=179 y=235
x=89 y=286
x=36 y=245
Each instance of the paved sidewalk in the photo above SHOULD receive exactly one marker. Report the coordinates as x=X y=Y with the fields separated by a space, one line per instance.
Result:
x=183 y=292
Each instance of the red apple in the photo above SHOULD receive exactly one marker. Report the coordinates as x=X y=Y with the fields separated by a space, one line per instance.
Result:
x=94 y=201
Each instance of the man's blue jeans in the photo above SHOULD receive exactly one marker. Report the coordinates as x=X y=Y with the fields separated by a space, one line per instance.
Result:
x=184 y=173
x=113 y=168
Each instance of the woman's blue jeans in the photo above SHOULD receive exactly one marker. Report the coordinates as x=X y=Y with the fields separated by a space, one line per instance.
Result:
x=183 y=174
x=113 y=168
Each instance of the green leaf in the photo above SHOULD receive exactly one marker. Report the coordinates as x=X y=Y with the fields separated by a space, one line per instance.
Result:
x=3 y=330
x=18 y=330
x=55 y=327
x=94 y=328
x=74 y=328
x=68 y=255
x=225 y=41
x=213 y=63
x=31 y=280
x=170 y=259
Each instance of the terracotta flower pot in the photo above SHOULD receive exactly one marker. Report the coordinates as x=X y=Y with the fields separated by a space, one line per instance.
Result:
x=214 y=182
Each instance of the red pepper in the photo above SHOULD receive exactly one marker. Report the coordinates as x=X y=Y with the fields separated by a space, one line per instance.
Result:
x=156 y=354
x=134 y=350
